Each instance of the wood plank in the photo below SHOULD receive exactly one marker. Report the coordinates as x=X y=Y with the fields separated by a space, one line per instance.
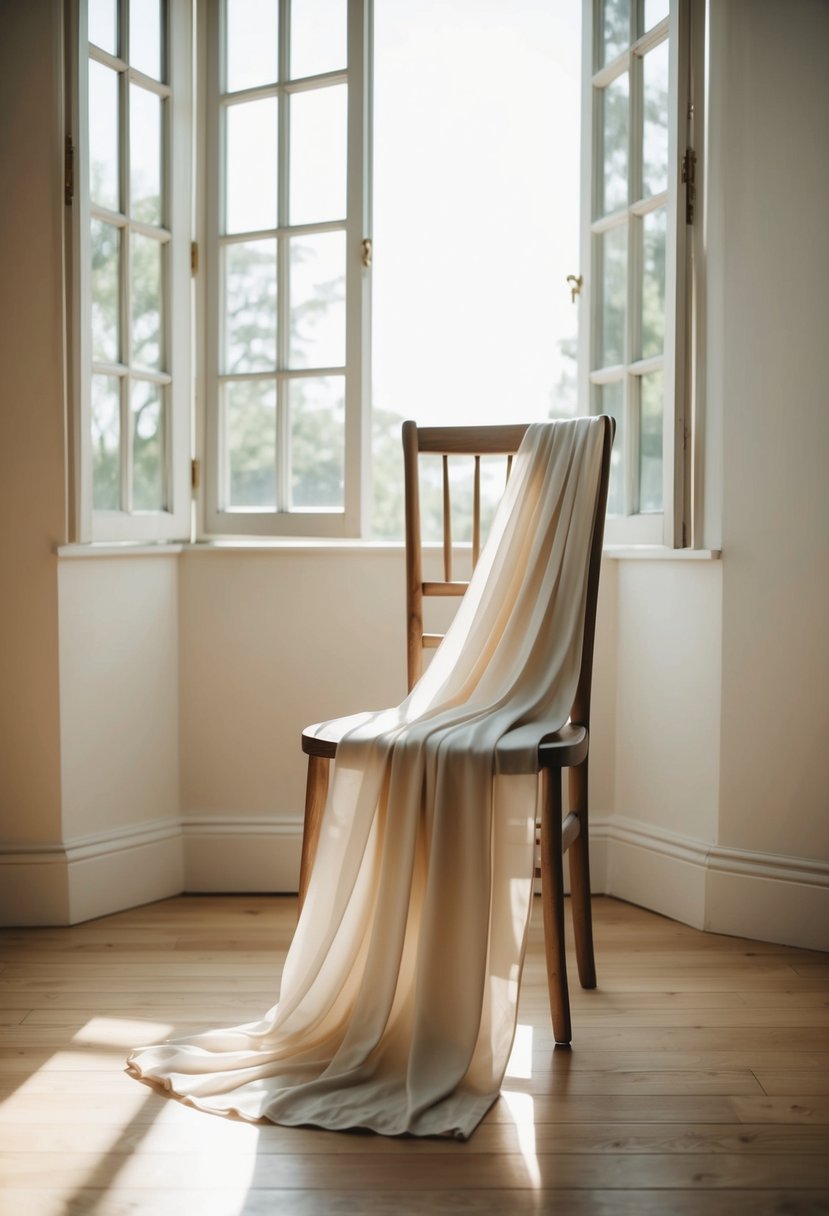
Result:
x=694 y=1086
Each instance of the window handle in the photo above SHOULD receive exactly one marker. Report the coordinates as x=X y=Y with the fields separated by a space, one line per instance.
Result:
x=575 y=281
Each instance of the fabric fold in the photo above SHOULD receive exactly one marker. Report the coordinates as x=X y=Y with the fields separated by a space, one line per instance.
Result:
x=399 y=993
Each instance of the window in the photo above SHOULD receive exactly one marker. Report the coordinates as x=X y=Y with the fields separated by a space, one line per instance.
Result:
x=634 y=253
x=287 y=266
x=281 y=144
x=131 y=252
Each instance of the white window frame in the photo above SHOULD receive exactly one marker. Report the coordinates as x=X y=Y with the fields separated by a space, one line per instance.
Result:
x=352 y=520
x=672 y=526
x=174 y=522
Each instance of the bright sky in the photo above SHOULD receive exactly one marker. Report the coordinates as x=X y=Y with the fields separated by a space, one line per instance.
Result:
x=476 y=204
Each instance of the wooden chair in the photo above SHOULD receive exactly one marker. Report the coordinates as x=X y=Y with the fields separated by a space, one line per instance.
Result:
x=566 y=748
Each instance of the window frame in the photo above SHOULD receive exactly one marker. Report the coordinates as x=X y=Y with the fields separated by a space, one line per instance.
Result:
x=672 y=526
x=352 y=520
x=173 y=523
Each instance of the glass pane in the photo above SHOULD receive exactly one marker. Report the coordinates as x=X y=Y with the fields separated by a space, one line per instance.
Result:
x=105 y=433
x=615 y=29
x=250 y=197
x=612 y=402
x=319 y=36
x=655 y=11
x=146 y=301
x=318 y=155
x=103 y=136
x=316 y=408
x=145 y=37
x=250 y=444
x=147 y=447
x=613 y=260
x=650 y=442
x=250 y=306
x=614 y=181
x=105 y=248
x=102 y=16
x=252 y=43
x=145 y=155
x=655 y=121
x=653 y=282
x=317 y=270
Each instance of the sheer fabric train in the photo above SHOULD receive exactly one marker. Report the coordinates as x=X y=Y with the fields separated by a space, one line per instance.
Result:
x=399 y=993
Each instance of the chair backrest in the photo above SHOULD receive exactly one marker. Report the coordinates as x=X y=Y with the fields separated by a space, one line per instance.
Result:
x=476 y=442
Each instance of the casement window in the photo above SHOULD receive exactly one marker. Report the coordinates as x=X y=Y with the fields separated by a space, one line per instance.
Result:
x=287 y=267
x=270 y=403
x=129 y=181
x=637 y=206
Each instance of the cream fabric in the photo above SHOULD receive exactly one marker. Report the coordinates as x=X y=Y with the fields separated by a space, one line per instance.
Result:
x=399 y=993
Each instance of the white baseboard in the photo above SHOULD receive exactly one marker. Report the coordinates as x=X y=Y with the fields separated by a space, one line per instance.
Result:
x=734 y=891
x=89 y=876
x=768 y=898
x=760 y=896
x=241 y=853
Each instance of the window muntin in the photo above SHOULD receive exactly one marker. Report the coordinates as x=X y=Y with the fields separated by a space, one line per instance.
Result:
x=287 y=220
x=130 y=256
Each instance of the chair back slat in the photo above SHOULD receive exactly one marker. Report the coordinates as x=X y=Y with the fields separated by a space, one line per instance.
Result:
x=476 y=513
x=447 y=522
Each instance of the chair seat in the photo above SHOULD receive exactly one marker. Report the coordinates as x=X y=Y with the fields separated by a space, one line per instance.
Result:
x=564 y=748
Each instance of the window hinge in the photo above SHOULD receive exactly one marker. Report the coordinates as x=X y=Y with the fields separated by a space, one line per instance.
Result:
x=68 y=171
x=689 y=179
x=194 y=258
x=367 y=251
x=195 y=475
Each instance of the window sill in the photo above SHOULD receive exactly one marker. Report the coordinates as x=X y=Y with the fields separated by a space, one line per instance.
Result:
x=660 y=553
x=310 y=545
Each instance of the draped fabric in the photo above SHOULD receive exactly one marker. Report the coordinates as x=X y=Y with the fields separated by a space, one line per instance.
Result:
x=399 y=994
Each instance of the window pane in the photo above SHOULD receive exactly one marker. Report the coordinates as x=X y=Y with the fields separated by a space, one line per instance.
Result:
x=319 y=30
x=317 y=420
x=251 y=166
x=252 y=43
x=250 y=444
x=146 y=301
x=145 y=37
x=653 y=282
x=613 y=260
x=615 y=29
x=105 y=427
x=317 y=321
x=103 y=136
x=612 y=402
x=145 y=155
x=103 y=24
x=614 y=183
x=147 y=447
x=655 y=11
x=318 y=155
x=105 y=248
x=655 y=121
x=650 y=442
x=250 y=306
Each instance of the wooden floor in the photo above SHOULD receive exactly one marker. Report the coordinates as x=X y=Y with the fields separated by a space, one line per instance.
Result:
x=697 y=1081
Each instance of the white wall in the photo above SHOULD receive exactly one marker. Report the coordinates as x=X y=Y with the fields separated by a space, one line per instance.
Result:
x=151 y=707
x=767 y=356
x=119 y=682
x=32 y=474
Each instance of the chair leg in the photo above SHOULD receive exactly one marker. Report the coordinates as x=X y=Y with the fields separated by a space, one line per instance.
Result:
x=552 y=902
x=316 y=791
x=580 y=880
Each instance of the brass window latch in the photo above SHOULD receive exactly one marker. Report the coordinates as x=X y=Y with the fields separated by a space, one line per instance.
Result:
x=575 y=281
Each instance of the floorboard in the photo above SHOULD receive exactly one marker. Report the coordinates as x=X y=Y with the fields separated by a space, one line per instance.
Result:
x=697 y=1083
